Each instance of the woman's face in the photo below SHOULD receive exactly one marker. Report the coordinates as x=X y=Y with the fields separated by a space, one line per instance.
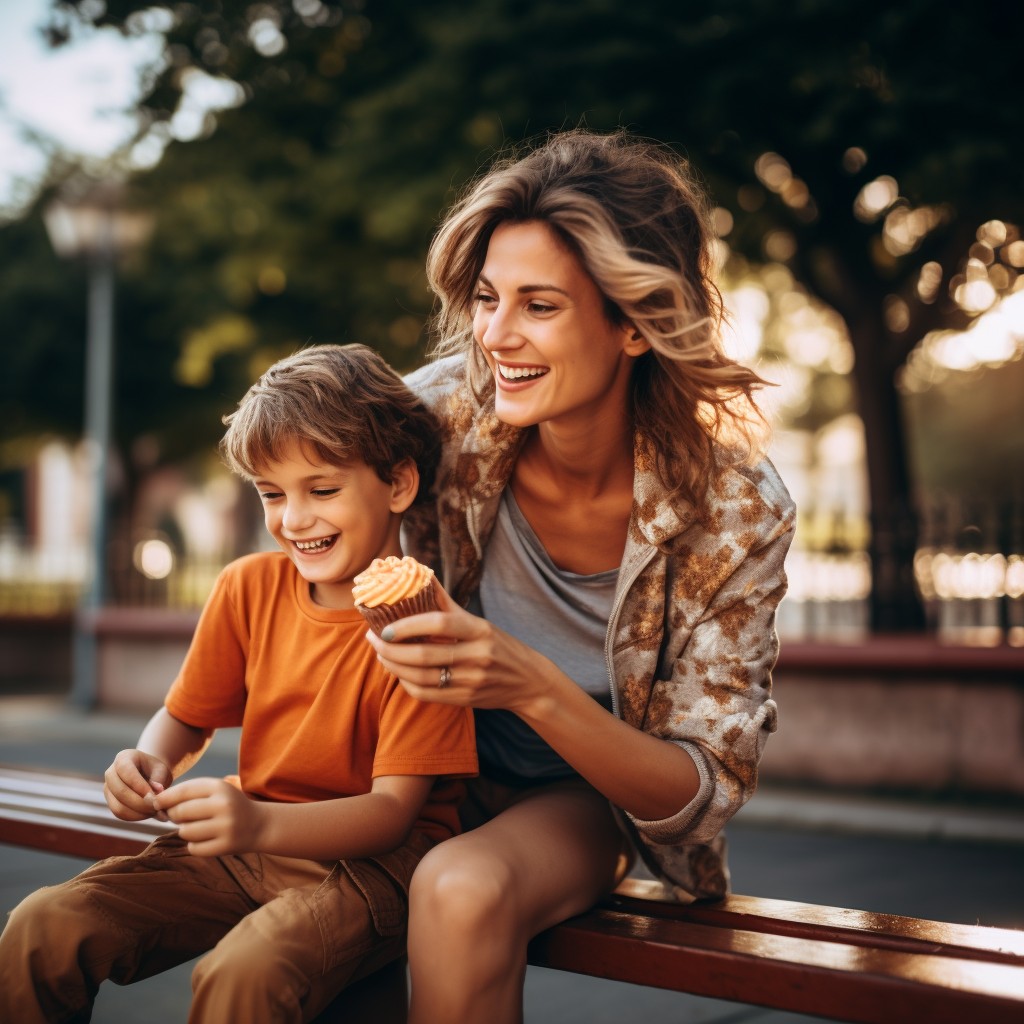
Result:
x=540 y=322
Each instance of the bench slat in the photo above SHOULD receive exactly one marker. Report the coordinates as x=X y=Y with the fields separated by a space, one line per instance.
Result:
x=89 y=840
x=23 y=780
x=804 y=920
x=60 y=808
x=66 y=813
x=781 y=972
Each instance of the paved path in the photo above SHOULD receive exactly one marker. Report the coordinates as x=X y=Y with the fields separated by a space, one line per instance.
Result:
x=953 y=863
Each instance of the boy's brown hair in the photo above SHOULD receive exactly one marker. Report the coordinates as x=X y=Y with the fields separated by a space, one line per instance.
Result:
x=344 y=402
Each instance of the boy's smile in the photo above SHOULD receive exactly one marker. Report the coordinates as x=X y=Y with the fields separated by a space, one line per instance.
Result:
x=310 y=546
x=332 y=520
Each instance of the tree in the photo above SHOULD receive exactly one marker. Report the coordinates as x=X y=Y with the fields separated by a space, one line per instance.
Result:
x=862 y=145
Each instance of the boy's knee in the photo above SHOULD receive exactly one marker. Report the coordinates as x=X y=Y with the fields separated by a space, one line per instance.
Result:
x=33 y=920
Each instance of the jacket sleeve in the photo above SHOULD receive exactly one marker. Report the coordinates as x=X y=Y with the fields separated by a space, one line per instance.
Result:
x=717 y=702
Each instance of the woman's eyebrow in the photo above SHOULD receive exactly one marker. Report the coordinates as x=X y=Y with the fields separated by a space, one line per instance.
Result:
x=525 y=289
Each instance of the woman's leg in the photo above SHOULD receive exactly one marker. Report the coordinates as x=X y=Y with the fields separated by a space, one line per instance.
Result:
x=477 y=899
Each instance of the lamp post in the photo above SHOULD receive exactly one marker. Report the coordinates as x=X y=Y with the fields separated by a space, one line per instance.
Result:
x=94 y=228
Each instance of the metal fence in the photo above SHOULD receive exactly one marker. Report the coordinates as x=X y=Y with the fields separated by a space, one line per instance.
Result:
x=968 y=569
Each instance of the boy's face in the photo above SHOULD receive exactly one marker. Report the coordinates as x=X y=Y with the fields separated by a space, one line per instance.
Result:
x=331 y=520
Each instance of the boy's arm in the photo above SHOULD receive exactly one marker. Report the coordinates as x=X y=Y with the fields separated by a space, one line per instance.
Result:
x=166 y=748
x=217 y=819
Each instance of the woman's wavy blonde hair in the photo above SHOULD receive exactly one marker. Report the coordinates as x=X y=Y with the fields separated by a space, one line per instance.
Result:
x=638 y=221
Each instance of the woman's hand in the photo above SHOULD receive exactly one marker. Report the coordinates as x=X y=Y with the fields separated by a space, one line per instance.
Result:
x=213 y=817
x=645 y=775
x=465 y=660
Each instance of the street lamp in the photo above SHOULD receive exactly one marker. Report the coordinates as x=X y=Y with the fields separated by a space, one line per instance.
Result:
x=95 y=228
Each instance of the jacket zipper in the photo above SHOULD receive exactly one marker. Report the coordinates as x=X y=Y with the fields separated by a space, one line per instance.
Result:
x=613 y=621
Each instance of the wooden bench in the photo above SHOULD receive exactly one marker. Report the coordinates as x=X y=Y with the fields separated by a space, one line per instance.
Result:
x=825 y=961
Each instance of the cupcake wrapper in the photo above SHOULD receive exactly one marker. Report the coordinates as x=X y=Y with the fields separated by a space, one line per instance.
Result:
x=377 y=618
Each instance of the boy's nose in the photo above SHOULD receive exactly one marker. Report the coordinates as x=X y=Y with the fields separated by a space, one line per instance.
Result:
x=297 y=516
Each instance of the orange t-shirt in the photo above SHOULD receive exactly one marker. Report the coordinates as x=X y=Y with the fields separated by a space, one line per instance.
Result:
x=320 y=717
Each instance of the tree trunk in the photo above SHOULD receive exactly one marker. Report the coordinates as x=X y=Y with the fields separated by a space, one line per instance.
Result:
x=895 y=605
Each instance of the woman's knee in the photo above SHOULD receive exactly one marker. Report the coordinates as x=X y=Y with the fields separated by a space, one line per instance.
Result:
x=455 y=889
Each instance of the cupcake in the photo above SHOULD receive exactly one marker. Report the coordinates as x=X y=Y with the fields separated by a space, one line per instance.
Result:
x=392 y=588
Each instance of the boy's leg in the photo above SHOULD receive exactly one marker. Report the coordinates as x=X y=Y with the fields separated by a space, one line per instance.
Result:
x=125 y=918
x=379 y=998
x=477 y=900
x=311 y=938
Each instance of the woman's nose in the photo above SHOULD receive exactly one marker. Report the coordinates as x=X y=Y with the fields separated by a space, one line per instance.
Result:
x=499 y=330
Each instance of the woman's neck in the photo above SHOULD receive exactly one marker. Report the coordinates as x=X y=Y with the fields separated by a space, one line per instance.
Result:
x=583 y=463
x=577 y=494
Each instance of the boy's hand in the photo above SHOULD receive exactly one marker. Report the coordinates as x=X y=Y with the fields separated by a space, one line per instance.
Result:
x=131 y=782
x=214 y=817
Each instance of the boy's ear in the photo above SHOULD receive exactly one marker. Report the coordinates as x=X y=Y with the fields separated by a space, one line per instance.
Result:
x=405 y=482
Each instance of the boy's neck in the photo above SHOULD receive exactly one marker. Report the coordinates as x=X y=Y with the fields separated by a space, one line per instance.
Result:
x=331 y=595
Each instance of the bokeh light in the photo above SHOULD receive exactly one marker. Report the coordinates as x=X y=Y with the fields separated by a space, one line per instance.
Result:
x=154 y=558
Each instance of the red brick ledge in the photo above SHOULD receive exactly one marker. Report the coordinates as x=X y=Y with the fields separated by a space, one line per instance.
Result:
x=911 y=654
x=906 y=654
x=143 y=623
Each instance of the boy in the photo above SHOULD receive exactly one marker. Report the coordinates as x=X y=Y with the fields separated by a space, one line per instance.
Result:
x=295 y=875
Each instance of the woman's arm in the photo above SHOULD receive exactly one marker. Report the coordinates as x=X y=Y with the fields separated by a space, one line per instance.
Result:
x=718 y=697
x=490 y=669
x=647 y=777
x=216 y=819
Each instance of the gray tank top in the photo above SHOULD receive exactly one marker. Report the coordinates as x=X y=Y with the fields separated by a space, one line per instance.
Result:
x=560 y=614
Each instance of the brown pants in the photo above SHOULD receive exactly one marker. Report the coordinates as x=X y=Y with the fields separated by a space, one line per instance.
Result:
x=282 y=936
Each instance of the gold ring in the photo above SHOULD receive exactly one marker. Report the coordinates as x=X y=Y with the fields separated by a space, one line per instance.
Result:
x=446 y=677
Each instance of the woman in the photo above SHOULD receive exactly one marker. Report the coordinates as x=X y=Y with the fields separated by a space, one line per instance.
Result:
x=612 y=548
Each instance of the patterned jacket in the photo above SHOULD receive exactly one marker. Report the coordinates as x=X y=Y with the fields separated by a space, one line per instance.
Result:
x=691 y=640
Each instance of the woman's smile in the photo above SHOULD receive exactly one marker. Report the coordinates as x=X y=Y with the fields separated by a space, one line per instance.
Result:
x=510 y=374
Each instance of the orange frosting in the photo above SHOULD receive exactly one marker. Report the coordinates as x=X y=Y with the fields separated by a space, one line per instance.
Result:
x=390 y=580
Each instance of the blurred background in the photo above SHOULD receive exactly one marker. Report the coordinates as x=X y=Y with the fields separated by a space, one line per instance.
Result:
x=191 y=191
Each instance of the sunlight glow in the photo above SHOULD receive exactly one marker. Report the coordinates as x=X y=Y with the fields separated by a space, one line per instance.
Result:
x=875 y=198
x=77 y=98
x=905 y=229
x=995 y=338
x=743 y=334
x=266 y=37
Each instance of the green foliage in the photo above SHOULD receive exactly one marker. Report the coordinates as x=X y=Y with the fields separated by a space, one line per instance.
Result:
x=42 y=308
x=304 y=214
